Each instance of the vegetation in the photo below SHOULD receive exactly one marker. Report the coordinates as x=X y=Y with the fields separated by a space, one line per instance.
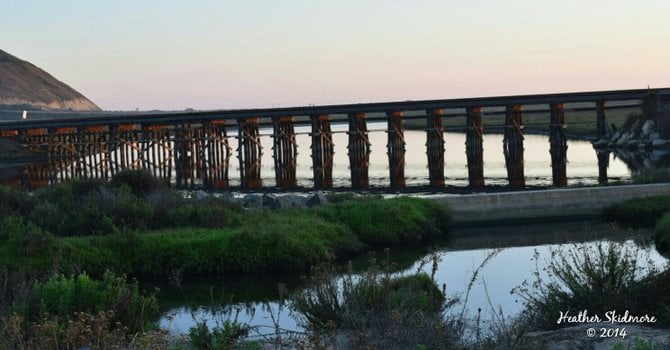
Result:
x=62 y=249
x=638 y=212
x=376 y=309
x=652 y=212
x=607 y=276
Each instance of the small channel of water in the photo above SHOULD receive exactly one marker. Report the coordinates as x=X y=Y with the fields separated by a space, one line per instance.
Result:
x=516 y=253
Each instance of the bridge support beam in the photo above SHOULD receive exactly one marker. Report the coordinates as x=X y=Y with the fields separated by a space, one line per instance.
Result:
x=474 y=140
x=435 y=147
x=156 y=151
x=558 y=145
x=601 y=124
x=323 y=150
x=215 y=155
x=285 y=152
x=249 y=153
x=359 y=150
x=396 y=149
x=603 y=164
x=513 y=146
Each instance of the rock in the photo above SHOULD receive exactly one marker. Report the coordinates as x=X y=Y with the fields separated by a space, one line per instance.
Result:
x=271 y=201
x=575 y=337
x=658 y=143
x=319 y=198
x=252 y=201
x=200 y=195
x=623 y=139
x=292 y=201
x=648 y=127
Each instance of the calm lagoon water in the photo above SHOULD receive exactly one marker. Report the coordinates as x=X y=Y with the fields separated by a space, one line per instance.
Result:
x=515 y=253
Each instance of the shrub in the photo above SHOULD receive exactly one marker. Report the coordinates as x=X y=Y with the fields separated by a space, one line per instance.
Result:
x=14 y=202
x=376 y=310
x=638 y=212
x=64 y=296
x=597 y=278
x=140 y=182
x=662 y=235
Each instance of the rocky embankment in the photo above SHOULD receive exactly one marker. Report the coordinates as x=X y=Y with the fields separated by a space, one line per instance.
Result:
x=643 y=137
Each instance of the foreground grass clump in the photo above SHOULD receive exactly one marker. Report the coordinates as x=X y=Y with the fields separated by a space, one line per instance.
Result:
x=376 y=310
x=638 y=212
x=77 y=311
x=662 y=235
x=597 y=278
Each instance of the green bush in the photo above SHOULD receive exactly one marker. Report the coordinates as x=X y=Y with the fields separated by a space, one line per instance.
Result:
x=64 y=296
x=27 y=247
x=140 y=182
x=607 y=276
x=14 y=202
x=662 y=235
x=376 y=310
x=638 y=212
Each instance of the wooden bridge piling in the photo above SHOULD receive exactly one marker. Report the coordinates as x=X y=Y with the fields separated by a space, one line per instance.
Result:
x=474 y=140
x=285 y=152
x=558 y=144
x=323 y=150
x=513 y=146
x=601 y=122
x=216 y=154
x=603 y=164
x=396 y=149
x=359 y=150
x=435 y=147
x=249 y=151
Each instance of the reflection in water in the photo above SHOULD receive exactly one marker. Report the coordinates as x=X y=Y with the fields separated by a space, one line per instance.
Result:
x=514 y=248
x=585 y=166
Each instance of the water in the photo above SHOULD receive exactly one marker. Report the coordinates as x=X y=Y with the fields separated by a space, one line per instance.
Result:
x=516 y=253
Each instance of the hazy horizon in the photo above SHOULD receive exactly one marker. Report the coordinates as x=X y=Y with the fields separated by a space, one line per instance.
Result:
x=206 y=54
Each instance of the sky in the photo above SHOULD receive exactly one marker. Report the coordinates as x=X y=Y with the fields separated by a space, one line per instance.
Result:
x=207 y=54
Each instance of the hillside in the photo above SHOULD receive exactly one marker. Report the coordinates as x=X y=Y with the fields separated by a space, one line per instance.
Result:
x=25 y=86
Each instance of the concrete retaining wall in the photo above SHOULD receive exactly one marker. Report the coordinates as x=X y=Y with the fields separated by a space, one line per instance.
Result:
x=536 y=205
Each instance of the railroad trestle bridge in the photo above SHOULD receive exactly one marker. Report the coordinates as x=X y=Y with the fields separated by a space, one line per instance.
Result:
x=190 y=148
